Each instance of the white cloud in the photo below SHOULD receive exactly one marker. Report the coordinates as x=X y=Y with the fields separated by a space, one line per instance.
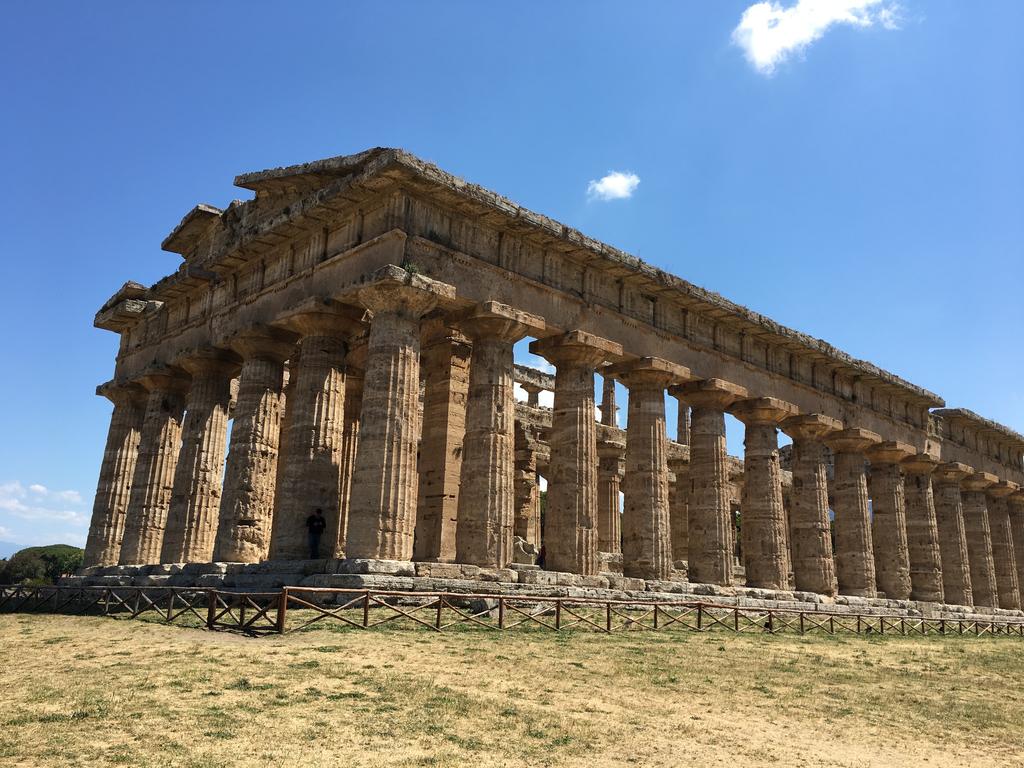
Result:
x=5 y=533
x=769 y=33
x=36 y=502
x=615 y=185
x=38 y=489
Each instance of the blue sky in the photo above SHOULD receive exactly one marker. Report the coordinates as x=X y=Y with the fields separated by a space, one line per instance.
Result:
x=850 y=168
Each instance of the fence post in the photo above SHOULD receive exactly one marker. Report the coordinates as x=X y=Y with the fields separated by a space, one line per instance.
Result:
x=282 y=610
x=801 y=622
x=366 y=609
x=655 y=615
x=440 y=607
x=211 y=608
x=700 y=616
x=736 y=620
x=501 y=612
x=608 y=616
x=558 y=614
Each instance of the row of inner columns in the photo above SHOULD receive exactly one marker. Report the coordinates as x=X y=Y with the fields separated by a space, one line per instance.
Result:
x=349 y=440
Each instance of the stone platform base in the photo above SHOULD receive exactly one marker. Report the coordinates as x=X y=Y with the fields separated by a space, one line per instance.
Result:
x=516 y=580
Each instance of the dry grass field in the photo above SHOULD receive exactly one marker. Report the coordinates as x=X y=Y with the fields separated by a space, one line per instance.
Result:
x=99 y=691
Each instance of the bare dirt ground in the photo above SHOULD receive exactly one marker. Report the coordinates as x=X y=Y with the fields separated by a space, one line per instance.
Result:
x=99 y=691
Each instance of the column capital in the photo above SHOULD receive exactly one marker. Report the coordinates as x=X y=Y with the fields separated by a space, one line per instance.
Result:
x=920 y=464
x=679 y=464
x=611 y=449
x=494 y=320
x=979 y=481
x=164 y=378
x=317 y=316
x=121 y=392
x=952 y=472
x=396 y=290
x=648 y=373
x=890 y=452
x=576 y=347
x=810 y=426
x=209 y=360
x=533 y=391
x=1003 y=489
x=1017 y=499
x=261 y=342
x=763 y=411
x=853 y=440
x=716 y=394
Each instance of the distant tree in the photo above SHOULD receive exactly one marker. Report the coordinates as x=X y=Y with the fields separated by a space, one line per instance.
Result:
x=40 y=565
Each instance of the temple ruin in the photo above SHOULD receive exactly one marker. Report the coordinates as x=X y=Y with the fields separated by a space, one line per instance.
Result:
x=344 y=341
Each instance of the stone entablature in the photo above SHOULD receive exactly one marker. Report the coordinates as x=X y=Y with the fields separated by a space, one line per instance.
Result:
x=380 y=283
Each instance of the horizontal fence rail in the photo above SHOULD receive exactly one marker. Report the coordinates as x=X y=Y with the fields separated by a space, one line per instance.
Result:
x=295 y=609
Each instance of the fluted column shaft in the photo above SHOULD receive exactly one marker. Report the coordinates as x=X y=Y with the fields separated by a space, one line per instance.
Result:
x=855 y=561
x=527 y=490
x=889 y=520
x=570 y=530
x=949 y=516
x=646 y=532
x=810 y=530
x=106 y=529
x=1003 y=554
x=609 y=410
x=247 y=507
x=195 y=499
x=922 y=532
x=487 y=493
x=1017 y=531
x=979 y=543
x=610 y=471
x=678 y=508
x=153 y=480
x=347 y=459
x=382 y=518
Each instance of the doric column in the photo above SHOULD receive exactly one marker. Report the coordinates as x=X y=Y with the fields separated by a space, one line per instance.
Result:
x=1016 y=502
x=979 y=538
x=763 y=534
x=682 y=422
x=1003 y=553
x=349 y=446
x=710 y=555
x=527 y=490
x=570 y=531
x=154 y=471
x=609 y=410
x=484 y=535
x=646 y=535
x=949 y=516
x=889 y=518
x=532 y=393
x=610 y=469
x=810 y=530
x=678 y=503
x=247 y=507
x=313 y=426
x=103 y=546
x=922 y=530
x=855 y=560
x=195 y=499
x=444 y=361
x=383 y=513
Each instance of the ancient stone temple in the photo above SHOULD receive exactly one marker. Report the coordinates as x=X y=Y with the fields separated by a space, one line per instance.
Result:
x=343 y=341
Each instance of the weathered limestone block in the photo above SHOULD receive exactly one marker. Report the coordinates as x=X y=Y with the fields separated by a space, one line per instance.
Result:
x=855 y=561
x=949 y=516
x=570 y=532
x=979 y=538
x=527 y=489
x=486 y=505
x=646 y=535
x=809 y=526
x=889 y=518
x=1003 y=553
x=678 y=504
x=383 y=511
x=153 y=480
x=710 y=557
x=106 y=529
x=765 y=547
x=922 y=530
x=445 y=361
x=313 y=427
x=1016 y=509
x=610 y=469
x=247 y=507
x=195 y=498
x=349 y=446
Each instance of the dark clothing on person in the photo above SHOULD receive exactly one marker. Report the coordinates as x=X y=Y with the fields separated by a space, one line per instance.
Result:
x=316 y=525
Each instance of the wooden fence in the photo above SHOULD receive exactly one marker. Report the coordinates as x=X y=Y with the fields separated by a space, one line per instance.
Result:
x=294 y=609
